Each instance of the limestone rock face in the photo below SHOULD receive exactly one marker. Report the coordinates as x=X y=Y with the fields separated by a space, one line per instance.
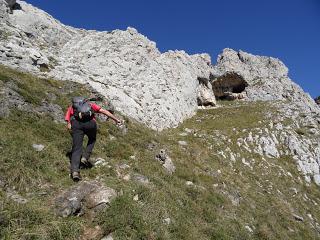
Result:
x=259 y=77
x=240 y=75
x=157 y=89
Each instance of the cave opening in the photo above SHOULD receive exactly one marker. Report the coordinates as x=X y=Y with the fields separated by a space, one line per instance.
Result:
x=229 y=86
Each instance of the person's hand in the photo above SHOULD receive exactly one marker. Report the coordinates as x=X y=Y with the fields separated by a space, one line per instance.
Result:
x=69 y=126
x=119 y=123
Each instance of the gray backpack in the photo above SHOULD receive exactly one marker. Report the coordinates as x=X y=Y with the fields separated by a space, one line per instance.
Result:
x=82 y=110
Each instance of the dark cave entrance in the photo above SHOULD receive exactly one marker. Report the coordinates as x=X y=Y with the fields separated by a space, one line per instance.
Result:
x=230 y=86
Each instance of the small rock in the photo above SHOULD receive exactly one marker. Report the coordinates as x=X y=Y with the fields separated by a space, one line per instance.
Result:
x=100 y=162
x=14 y=196
x=298 y=218
x=294 y=191
x=187 y=130
x=151 y=145
x=183 y=143
x=310 y=217
x=248 y=228
x=140 y=178
x=126 y=177
x=92 y=233
x=136 y=198
x=132 y=157
x=38 y=147
x=109 y=237
x=123 y=166
x=166 y=161
x=184 y=134
x=111 y=137
x=189 y=183
x=167 y=221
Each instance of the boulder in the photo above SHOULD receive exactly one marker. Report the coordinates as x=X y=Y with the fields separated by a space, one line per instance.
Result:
x=205 y=95
x=87 y=196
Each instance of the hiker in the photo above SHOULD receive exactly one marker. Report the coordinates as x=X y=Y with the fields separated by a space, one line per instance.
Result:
x=80 y=118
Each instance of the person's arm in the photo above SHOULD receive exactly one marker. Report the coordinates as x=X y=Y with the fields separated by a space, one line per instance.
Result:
x=109 y=114
x=67 y=117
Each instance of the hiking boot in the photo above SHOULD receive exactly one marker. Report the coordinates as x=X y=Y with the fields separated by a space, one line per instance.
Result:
x=85 y=163
x=76 y=176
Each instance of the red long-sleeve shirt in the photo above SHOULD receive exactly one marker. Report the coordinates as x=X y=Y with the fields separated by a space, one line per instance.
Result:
x=69 y=113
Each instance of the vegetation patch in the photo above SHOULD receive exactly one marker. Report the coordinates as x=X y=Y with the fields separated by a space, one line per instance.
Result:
x=208 y=197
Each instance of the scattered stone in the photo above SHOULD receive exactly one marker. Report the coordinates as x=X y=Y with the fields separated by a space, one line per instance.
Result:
x=109 y=237
x=92 y=233
x=298 y=218
x=294 y=191
x=183 y=143
x=166 y=161
x=167 y=221
x=136 y=198
x=14 y=196
x=250 y=230
x=126 y=177
x=189 y=183
x=85 y=196
x=184 y=134
x=38 y=147
x=111 y=137
x=100 y=162
x=140 y=178
x=123 y=166
x=151 y=145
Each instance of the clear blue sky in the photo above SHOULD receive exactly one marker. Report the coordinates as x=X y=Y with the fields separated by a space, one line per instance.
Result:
x=286 y=29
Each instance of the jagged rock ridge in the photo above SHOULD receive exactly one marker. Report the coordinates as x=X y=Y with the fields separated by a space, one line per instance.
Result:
x=157 y=89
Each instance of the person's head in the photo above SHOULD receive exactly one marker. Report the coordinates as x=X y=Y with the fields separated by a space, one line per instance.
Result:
x=77 y=100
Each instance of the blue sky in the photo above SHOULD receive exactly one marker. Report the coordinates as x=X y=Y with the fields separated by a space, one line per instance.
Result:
x=286 y=29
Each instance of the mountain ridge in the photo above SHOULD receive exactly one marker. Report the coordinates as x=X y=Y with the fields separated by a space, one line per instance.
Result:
x=125 y=66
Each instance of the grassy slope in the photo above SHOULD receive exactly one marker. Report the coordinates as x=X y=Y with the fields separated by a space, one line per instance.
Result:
x=202 y=211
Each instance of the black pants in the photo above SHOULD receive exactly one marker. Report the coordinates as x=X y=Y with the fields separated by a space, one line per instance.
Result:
x=79 y=129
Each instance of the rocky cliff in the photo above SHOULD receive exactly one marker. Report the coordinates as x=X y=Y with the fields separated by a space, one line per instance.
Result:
x=158 y=89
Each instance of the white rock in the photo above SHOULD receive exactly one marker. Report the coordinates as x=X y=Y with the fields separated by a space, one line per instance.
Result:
x=109 y=237
x=136 y=198
x=189 y=183
x=167 y=221
x=38 y=147
x=183 y=143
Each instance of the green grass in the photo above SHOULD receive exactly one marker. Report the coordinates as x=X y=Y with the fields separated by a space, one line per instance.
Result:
x=205 y=210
